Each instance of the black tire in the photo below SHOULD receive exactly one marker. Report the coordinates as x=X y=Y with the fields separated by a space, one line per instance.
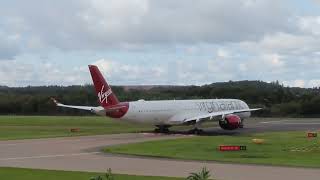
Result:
x=162 y=129
x=197 y=131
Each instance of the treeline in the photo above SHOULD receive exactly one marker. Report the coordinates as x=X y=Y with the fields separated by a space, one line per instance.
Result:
x=276 y=99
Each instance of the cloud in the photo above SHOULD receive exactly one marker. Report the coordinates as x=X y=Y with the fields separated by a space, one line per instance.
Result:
x=283 y=43
x=182 y=72
x=274 y=60
x=99 y=24
x=9 y=46
x=310 y=24
x=122 y=73
x=303 y=83
x=16 y=73
x=158 y=42
x=222 y=53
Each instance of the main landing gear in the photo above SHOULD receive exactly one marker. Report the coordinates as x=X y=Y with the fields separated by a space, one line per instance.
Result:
x=196 y=131
x=162 y=128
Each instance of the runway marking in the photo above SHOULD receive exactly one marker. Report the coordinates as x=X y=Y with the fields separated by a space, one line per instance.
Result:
x=291 y=122
x=10 y=144
x=269 y=122
x=48 y=156
x=299 y=123
x=164 y=135
x=39 y=141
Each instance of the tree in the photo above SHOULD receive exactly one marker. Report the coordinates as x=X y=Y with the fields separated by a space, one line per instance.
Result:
x=96 y=178
x=109 y=175
x=276 y=99
x=204 y=174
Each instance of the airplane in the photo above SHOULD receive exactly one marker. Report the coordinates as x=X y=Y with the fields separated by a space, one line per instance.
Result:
x=230 y=113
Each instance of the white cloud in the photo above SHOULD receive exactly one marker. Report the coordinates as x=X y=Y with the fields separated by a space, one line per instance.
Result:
x=243 y=67
x=9 y=45
x=294 y=83
x=274 y=60
x=314 y=83
x=186 y=42
x=265 y=63
x=299 y=83
x=100 y=24
x=310 y=24
x=122 y=73
x=303 y=83
x=284 y=43
x=15 y=73
x=223 y=53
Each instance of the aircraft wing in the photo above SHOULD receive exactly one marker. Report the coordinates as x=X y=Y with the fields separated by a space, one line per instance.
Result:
x=88 y=108
x=216 y=114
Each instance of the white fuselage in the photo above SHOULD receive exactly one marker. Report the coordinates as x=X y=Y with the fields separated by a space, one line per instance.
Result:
x=165 y=112
x=174 y=112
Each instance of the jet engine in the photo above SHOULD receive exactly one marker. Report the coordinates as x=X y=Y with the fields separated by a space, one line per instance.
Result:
x=230 y=122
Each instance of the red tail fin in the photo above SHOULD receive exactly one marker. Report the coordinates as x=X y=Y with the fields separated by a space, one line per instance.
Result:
x=103 y=90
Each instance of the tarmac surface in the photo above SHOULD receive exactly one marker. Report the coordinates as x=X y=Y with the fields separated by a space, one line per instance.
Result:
x=84 y=154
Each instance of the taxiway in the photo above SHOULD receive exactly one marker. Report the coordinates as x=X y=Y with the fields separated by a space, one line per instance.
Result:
x=84 y=154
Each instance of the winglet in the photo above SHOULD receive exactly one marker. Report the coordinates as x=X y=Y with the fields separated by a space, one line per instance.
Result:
x=54 y=101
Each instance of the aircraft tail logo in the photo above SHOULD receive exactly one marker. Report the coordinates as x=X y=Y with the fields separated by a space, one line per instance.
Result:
x=105 y=95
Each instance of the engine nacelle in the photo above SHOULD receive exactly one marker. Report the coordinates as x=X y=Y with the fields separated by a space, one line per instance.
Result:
x=230 y=122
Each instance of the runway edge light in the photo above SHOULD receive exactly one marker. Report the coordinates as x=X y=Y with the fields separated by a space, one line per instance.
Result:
x=73 y=130
x=312 y=134
x=258 y=141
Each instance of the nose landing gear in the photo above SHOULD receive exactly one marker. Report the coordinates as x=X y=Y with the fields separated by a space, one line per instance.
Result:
x=241 y=123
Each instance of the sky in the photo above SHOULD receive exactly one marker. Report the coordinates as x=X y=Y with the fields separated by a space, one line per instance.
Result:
x=149 y=42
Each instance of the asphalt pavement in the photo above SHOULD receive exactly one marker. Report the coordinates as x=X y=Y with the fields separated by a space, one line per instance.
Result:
x=84 y=154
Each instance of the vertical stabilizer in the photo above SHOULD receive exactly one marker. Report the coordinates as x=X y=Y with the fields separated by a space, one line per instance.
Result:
x=105 y=95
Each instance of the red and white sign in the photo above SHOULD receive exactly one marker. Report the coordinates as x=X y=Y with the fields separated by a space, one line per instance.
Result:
x=232 y=148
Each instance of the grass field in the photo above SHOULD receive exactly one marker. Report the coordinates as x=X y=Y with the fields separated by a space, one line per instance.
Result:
x=26 y=127
x=32 y=174
x=280 y=148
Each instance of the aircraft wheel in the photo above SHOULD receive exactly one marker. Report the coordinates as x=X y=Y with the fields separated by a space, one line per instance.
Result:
x=197 y=131
x=162 y=129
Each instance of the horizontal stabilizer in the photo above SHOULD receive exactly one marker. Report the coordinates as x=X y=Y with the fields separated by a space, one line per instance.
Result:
x=88 y=108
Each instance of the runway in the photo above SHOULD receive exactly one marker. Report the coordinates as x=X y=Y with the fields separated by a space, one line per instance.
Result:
x=259 y=125
x=83 y=154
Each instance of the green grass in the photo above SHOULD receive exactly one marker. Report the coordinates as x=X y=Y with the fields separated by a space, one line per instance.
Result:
x=280 y=148
x=33 y=174
x=26 y=127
